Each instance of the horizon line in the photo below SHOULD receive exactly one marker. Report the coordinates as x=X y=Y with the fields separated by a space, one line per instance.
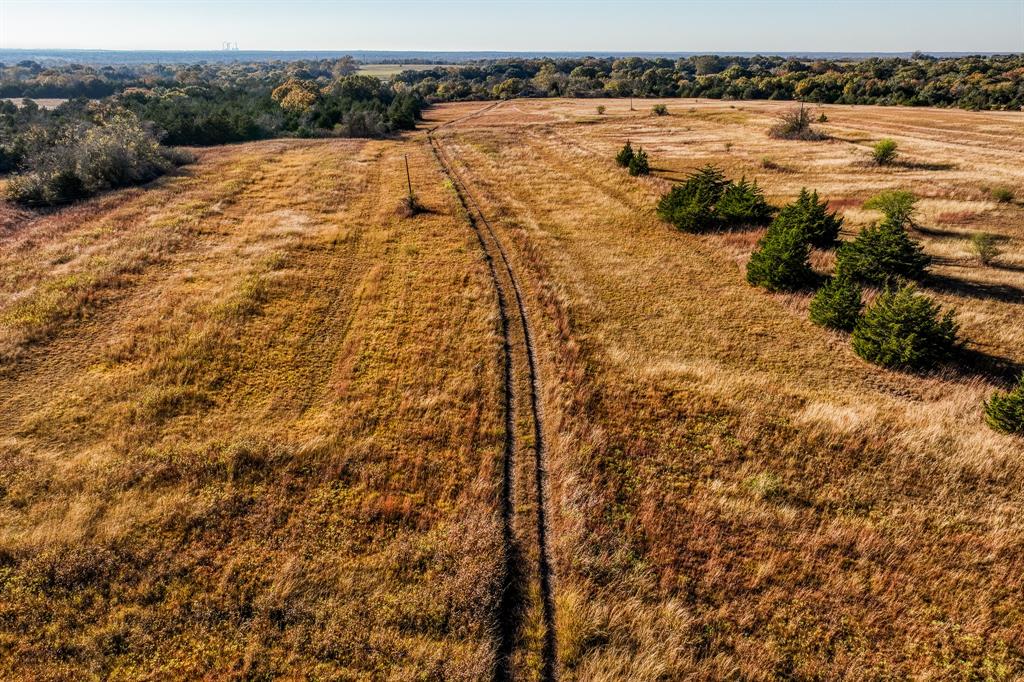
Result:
x=603 y=52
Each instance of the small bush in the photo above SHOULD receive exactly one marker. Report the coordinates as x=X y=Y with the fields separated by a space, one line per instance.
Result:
x=811 y=216
x=882 y=255
x=600 y=110
x=1004 y=195
x=690 y=206
x=625 y=155
x=659 y=110
x=823 y=118
x=1004 y=411
x=638 y=165
x=884 y=152
x=904 y=330
x=985 y=247
x=743 y=203
x=795 y=124
x=898 y=206
x=837 y=305
x=781 y=261
x=768 y=164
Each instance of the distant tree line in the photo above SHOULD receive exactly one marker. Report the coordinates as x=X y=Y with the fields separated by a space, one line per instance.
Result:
x=86 y=146
x=204 y=104
x=351 y=106
x=974 y=82
x=995 y=82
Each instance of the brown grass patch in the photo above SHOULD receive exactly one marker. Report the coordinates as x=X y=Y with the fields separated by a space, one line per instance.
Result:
x=234 y=444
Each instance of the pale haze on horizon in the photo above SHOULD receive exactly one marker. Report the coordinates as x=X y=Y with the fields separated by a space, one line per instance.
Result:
x=525 y=25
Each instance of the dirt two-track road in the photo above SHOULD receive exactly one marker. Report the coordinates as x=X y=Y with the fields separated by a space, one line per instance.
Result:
x=519 y=360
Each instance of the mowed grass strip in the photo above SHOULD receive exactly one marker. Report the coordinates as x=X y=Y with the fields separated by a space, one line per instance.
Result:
x=736 y=493
x=273 y=448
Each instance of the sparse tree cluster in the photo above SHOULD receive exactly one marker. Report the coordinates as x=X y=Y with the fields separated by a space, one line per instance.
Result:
x=106 y=147
x=781 y=261
x=635 y=161
x=901 y=329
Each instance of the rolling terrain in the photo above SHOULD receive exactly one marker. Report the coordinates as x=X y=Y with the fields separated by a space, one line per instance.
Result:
x=253 y=423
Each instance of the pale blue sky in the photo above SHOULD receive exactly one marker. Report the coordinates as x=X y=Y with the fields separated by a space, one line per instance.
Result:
x=527 y=25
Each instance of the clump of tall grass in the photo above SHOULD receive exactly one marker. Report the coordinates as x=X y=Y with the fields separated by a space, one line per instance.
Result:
x=1004 y=195
x=884 y=152
x=985 y=247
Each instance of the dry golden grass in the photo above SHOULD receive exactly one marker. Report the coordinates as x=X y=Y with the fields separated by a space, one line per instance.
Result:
x=245 y=426
x=250 y=417
x=735 y=493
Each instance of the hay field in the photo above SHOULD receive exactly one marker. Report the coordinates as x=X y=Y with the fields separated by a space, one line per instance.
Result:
x=734 y=492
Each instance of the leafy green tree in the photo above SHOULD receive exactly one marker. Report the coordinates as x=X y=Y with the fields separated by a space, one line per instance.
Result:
x=743 y=203
x=905 y=330
x=296 y=95
x=1004 y=411
x=690 y=206
x=781 y=261
x=625 y=155
x=812 y=217
x=837 y=305
x=882 y=254
x=639 y=164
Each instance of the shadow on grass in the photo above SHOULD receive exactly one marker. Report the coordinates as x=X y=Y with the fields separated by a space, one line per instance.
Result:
x=921 y=165
x=961 y=287
x=943 y=234
x=511 y=612
x=971 y=362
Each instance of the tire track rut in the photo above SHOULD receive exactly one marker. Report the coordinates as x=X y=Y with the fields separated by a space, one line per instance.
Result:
x=509 y=291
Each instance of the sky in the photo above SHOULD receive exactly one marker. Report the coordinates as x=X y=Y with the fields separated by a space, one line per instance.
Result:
x=523 y=25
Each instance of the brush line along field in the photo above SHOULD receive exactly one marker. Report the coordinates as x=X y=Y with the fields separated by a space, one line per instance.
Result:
x=256 y=424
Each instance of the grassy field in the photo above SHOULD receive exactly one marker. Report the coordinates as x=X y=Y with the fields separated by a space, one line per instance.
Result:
x=735 y=494
x=386 y=71
x=251 y=419
x=235 y=442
